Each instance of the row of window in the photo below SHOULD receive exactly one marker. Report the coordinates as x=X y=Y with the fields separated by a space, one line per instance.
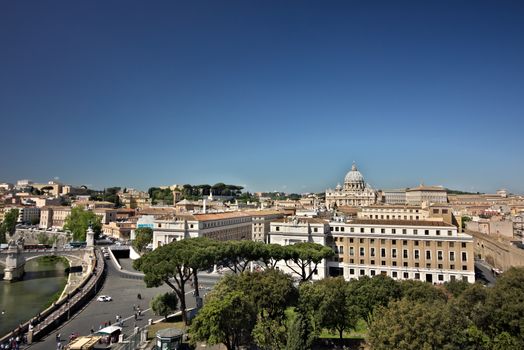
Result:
x=404 y=231
x=398 y=217
x=439 y=266
x=226 y=222
x=405 y=253
x=407 y=275
x=394 y=242
x=392 y=210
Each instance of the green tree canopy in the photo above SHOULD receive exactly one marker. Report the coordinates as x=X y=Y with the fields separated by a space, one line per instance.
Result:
x=226 y=318
x=421 y=291
x=504 y=306
x=270 y=334
x=8 y=225
x=301 y=333
x=164 y=304
x=271 y=291
x=143 y=236
x=170 y=264
x=236 y=255
x=336 y=312
x=303 y=258
x=426 y=325
x=78 y=222
x=366 y=293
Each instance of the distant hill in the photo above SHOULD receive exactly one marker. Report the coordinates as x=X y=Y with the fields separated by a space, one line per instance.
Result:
x=449 y=191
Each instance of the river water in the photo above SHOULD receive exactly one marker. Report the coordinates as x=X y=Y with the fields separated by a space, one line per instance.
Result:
x=22 y=300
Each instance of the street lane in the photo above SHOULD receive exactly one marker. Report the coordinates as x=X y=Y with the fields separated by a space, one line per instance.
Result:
x=124 y=292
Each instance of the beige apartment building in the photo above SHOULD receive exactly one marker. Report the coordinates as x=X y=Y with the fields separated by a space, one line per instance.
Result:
x=261 y=223
x=26 y=214
x=428 y=250
x=120 y=230
x=432 y=251
x=53 y=216
x=106 y=215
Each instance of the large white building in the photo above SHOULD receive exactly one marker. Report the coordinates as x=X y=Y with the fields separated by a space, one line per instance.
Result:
x=355 y=192
x=424 y=249
x=219 y=226
x=426 y=194
x=394 y=196
x=291 y=230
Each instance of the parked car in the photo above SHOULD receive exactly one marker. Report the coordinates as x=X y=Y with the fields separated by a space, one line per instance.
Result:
x=104 y=298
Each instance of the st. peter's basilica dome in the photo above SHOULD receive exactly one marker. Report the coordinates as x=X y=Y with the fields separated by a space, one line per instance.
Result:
x=354 y=176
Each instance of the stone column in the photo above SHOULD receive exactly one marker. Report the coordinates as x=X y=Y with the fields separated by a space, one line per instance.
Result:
x=14 y=264
x=90 y=237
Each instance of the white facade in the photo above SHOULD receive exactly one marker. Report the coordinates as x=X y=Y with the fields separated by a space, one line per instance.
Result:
x=426 y=194
x=289 y=231
x=4 y=186
x=393 y=212
x=219 y=226
x=394 y=196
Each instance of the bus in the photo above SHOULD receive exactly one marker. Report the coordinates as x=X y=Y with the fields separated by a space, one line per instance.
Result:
x=77 y=244
x=36 y=246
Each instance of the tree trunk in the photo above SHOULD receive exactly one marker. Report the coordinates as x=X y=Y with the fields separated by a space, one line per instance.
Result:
x=195 y=282
x=182 y=297
x=341 y=331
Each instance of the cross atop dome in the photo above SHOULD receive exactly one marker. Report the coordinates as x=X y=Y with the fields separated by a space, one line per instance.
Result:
x=354 y=166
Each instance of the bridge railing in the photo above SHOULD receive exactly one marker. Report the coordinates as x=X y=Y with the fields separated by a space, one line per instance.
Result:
x=49 y=319
x=73 y=302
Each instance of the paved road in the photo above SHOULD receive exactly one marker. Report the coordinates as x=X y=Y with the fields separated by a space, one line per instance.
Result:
x=484 y=271
x=124 y=293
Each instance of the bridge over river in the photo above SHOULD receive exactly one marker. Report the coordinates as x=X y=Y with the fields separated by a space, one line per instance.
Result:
x=14 y=258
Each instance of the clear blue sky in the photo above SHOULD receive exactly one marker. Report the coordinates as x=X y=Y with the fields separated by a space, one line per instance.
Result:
x=274 y=95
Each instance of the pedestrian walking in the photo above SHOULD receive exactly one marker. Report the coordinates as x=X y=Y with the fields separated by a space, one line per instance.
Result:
x=136 y=316
x=58 y=337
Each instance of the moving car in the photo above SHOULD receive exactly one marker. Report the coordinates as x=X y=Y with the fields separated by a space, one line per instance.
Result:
x=104 y=298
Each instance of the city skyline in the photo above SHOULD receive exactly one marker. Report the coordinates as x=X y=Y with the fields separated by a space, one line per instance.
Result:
x=274 y=96
x=283 y=189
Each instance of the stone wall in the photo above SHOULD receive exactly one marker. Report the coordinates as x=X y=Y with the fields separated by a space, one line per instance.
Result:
x=497 y=251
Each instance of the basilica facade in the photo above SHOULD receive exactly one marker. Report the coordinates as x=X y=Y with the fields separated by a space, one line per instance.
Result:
x=355 y=192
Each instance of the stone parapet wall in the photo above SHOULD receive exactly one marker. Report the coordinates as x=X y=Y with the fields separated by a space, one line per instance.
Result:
x=497 y=251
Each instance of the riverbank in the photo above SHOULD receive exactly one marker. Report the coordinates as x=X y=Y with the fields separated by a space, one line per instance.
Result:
x=42 y=284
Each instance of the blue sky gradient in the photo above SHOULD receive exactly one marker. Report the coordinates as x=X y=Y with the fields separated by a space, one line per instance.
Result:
x=273 y=95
